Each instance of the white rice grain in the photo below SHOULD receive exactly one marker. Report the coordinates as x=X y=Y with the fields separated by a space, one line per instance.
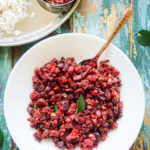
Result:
x=11 y=13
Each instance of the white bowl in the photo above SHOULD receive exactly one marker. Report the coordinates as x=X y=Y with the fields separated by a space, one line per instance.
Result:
x=80 y=46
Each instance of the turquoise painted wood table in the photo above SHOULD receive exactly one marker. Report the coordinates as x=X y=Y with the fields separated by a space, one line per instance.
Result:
x=97 y=17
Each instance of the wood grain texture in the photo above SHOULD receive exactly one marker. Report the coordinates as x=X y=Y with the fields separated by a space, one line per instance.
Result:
x=5 y=68
x=96 y=17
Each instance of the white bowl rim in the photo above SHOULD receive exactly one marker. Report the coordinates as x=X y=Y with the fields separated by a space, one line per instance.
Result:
x=33 y=48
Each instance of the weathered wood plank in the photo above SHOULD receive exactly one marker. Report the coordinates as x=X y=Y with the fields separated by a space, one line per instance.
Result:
x=5 y=68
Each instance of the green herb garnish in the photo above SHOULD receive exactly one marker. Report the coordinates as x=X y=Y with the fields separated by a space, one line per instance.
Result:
x=110 y=121
x=1 y=138
x=55 y=108
x=81 y=104
x=143 y=37
x=35 y=106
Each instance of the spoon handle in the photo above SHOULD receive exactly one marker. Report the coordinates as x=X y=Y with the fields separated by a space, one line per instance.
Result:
x=121 y=23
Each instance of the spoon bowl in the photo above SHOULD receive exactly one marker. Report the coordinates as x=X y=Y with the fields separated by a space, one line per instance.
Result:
x=56 y=8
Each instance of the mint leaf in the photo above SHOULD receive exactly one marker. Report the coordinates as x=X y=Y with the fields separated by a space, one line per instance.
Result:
x=35 y=106
x=81 y=104
x=143 y=37
x=55 y=108
x=1 y=138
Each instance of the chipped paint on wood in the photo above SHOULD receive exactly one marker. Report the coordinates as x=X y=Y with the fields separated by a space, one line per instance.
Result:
x=104 y=20
x=5 y=68
x=133 y=52
x=134 y=49
x=109 y=20
x=130 y=31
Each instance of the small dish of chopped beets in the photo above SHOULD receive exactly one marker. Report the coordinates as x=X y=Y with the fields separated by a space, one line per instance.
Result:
x=53 y=103
x=58 y=1
x=74 y=104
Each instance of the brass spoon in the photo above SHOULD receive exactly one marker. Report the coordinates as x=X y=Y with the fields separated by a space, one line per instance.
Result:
x=128 y=13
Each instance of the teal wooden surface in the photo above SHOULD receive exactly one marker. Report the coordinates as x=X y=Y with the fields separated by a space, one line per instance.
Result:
x=5 y=68
x=96 y=17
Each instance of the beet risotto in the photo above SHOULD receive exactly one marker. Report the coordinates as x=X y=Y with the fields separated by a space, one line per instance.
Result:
x=75 y=104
